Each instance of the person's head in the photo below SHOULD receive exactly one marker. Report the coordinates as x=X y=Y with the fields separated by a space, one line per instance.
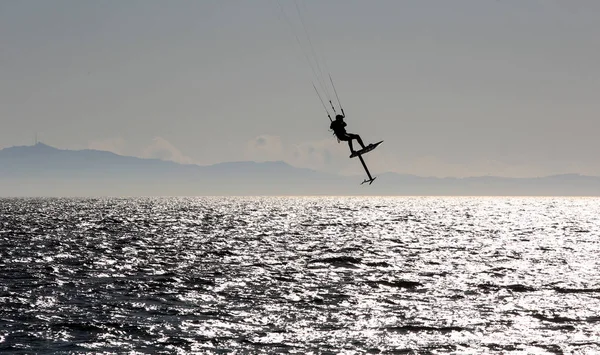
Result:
x=339 y=117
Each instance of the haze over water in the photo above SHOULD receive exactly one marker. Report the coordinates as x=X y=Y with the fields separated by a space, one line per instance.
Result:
x=414 y=275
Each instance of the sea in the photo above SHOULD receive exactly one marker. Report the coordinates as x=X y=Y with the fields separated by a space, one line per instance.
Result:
x=300 y=275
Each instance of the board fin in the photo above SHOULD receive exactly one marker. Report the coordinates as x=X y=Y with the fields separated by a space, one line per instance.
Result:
x=370 y=181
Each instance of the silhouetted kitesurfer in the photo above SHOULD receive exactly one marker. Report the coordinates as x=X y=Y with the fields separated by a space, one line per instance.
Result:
x=338 y=125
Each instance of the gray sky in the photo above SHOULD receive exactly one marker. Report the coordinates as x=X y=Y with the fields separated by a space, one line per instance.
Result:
x=455 y=88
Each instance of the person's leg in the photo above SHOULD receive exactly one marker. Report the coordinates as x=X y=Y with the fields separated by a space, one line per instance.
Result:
x=350 y=145
x=357 y=137
x=346 y=138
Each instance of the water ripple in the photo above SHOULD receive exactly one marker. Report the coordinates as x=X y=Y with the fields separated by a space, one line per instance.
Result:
x=300 y=275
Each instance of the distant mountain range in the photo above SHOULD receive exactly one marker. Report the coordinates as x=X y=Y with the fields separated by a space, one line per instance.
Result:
x=41 y=170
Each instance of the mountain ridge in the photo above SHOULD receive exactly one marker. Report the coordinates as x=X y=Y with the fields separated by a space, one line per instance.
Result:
x=41 y=170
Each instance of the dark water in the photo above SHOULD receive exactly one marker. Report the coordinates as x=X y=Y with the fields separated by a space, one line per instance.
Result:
x=300 y=275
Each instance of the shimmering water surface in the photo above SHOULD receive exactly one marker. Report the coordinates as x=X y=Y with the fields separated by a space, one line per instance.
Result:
x=300 y=275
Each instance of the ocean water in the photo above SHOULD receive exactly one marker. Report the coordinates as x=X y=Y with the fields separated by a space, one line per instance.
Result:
x=304 y=275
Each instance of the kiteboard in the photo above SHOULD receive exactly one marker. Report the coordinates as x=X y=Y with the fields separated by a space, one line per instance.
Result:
x=366 y=149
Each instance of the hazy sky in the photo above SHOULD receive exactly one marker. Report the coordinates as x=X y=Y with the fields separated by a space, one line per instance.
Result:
x=454 y=88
